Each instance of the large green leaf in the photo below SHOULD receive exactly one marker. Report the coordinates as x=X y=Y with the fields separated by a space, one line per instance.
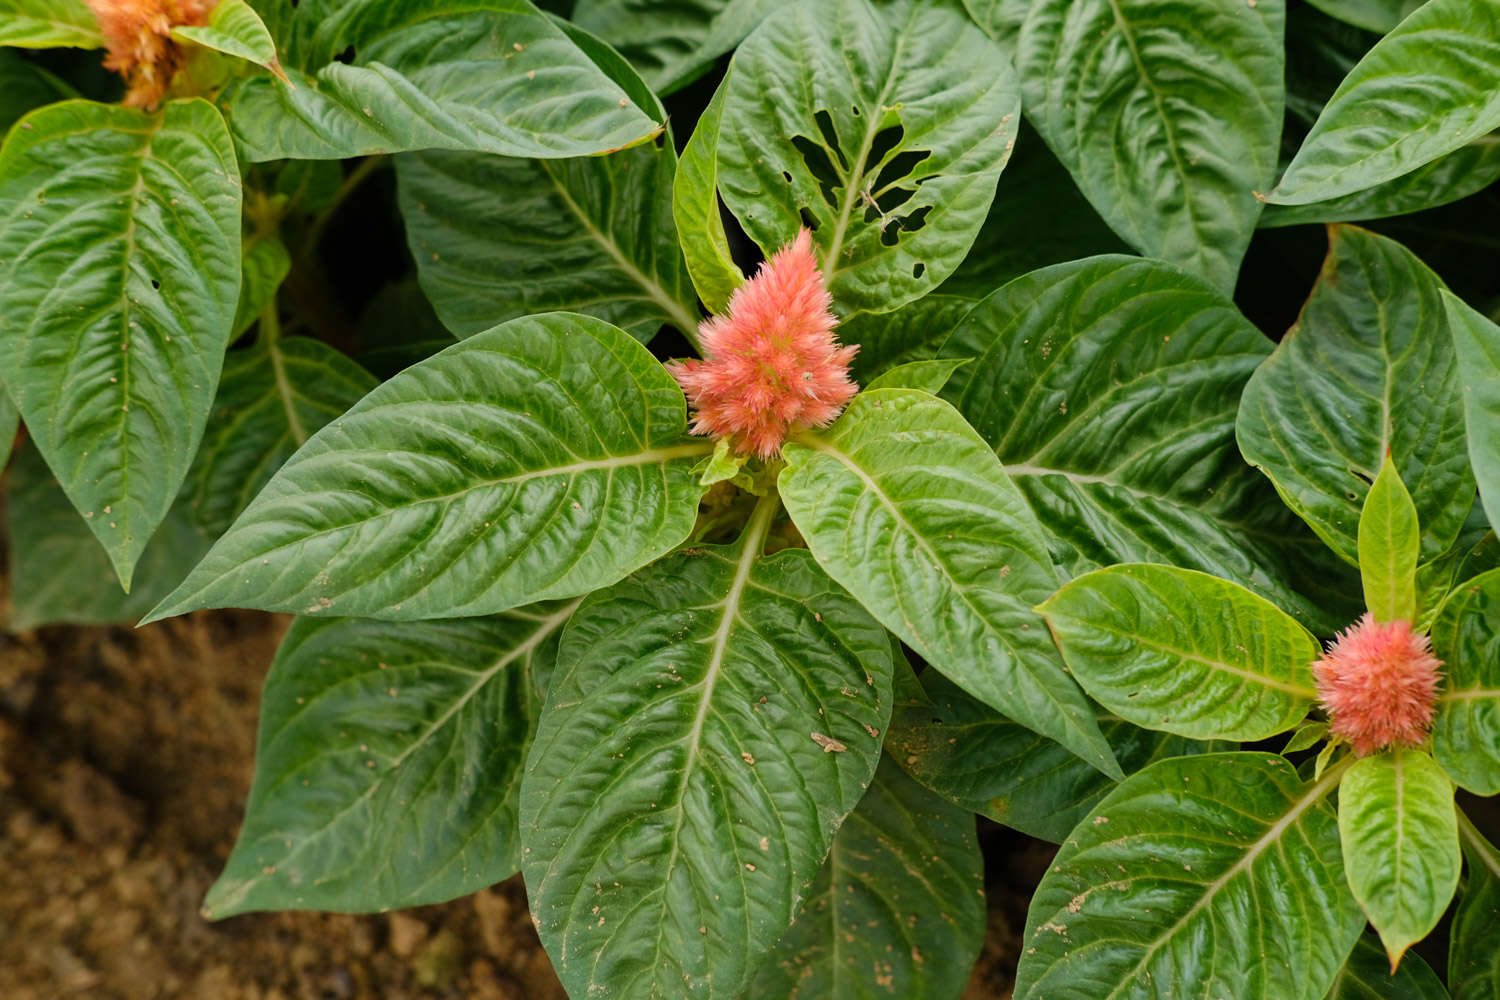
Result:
x=272 y=397
x=1379 y=125
x=1108 y=387
x=1001 y=19
x=1476 y=341
x=1210 y=876
x=912 y=333
x=883 y=128
x=711 y=722
x=898 y=909
x=1378 y=16
x=1466 y=731
x=121 y=247
x=388 y=764
x=1400 y=837
x=1184 y=652
x=1473 y=959
x=367 y=76
x=1367 y=976
x=1388 y=542
x=233 y=27
x=591 y=235
x=542 y=459
x=695 y=209
x=25 y=85
x=907 y=507
x=672 y=44
x=1167 y=113
x=1367 y=371
x=44 y=24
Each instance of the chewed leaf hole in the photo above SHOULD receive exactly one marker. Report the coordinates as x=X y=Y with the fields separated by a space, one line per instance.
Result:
x=900 y=165
x=821 y=167
x=346 y=57
x=830 y=137
x=885 y=140
x=890 y=233
x=918 y=269
x=808 y=220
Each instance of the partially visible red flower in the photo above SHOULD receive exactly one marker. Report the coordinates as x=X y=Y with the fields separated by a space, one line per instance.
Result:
x=1378 y=681
x=771 y=364
x=138 y=34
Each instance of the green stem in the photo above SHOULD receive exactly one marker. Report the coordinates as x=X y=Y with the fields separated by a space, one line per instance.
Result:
x=270 y=336
x=759 y=525
x=1486 y=852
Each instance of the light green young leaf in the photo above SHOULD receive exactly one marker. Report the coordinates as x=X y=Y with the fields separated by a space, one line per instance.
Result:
x=1367 y=976
x=1223 y=912
x=1388 y=544
x=926 y=376
x=1473 y=959
x=1306 y=737
x=471 y=483
x=1466 y=730
x=46 y=24
x=1378 y=126
x=903 y=504
x=1400 y=838
x=695 y=209
x=712 y=720
x=369 y=729
x=1476 y=341
x=122 y=270
x=233 y=27
x=264 y=265
x=1166 y=113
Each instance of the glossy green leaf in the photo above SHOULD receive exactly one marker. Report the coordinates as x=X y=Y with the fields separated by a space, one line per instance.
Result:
x=1476 y=551
x=121 y=269
x=388 y=763
x=695 y=209
x=972 y=756
x=1400 y=837
x=905 y=869
x=542 y=459
x=1209 y=876
x=912 y=333
x=881 y=127
x=1389 y=539
x=1184 y=652
x=45 y=24
x=1367 y=976
x=264 y=265
x=928 y=376
x=1476 y=341
x=1128 y=372
x=1378 y=16
x=497 y=76
x=272 y=397
x=1466 y=730
x=712 y=720
x=1379 y=125
x=1366 y=372
x=25 y=85
x=673 y=44
x=234 y=28
x=903 y=504
x=1307 y=736
x=1166 y=113
x=591 y=235
x=1001 y=19
x=1473 y=959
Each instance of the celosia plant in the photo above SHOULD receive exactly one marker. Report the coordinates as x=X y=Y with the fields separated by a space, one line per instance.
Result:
x=1024 y=476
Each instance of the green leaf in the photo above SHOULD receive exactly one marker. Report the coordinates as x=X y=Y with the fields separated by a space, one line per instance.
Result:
x=1378 y=126
x=1209 y=876
x=591 y=235
x=1184 y=652
x=912 y=333
x=902 y=503
x=712 y=720
x=496 y=76
x=1473 y=959
x=45 y=24
x=271 y=398
x=1166 y=114
x=1476 y=550
x=1367 y=976
x=1307 y=736
x=10 y=423
x=1128 y=372
x=972 y=756
x=25 y=85
x=889 y=128
x=672 y=45
x=542 y=459
x=695 y=209
x=1466 y=730
x=233 y=27
x=1476 y=341
x=1001 y=19
x=906 y=871
x=1388 y=540
x=58 y=572
x=1366 y=372
x=121 y=254
x=926 y=376
x=264 y=265
x=398 y=328
x=1400 y=837
x=1379 y=16
x=388 y=763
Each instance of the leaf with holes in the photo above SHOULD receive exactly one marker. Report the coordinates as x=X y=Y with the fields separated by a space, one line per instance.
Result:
x=234 y=28
x=367 y=730
x=905 y=870
x=673 y=45
x=1378 y=125
x=591 y=235
x=542 y=459
x=1466 y=730
x=1166 y=113
x=122 y=269
x=1209 y=876
x=272 y=397
x=1127 y=373
x=883 y=128
x=43 y=24
x=264 y=265
x=1473 y=959
x=711 y=722
x=1476 y=341
x=1388 y=539
x=1367 y=371
x=1367 y=976
x=1400 y=837
x=497 y=76
x=903 y=504
x=910 y=334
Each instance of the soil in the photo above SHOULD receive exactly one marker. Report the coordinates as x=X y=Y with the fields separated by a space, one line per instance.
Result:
x=125 y=760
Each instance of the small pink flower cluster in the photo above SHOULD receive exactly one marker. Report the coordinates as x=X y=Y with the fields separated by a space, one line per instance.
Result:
x=138 y=34
x=1379 y=682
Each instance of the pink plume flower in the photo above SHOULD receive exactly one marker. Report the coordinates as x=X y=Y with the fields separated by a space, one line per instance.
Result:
x=138 y=36
x=771 y=365
x=1378 y=681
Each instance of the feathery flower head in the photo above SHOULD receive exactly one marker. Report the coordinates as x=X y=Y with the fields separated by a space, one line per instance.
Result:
x=138 y=34
x=771 y=365
x=1378 y=681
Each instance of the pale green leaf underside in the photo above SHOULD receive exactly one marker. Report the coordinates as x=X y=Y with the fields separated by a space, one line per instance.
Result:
x=234 y=28
x=45 y=24
x=1466 y=731
x=1389 y=540
x=1476 y=341
x=1367 y=976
